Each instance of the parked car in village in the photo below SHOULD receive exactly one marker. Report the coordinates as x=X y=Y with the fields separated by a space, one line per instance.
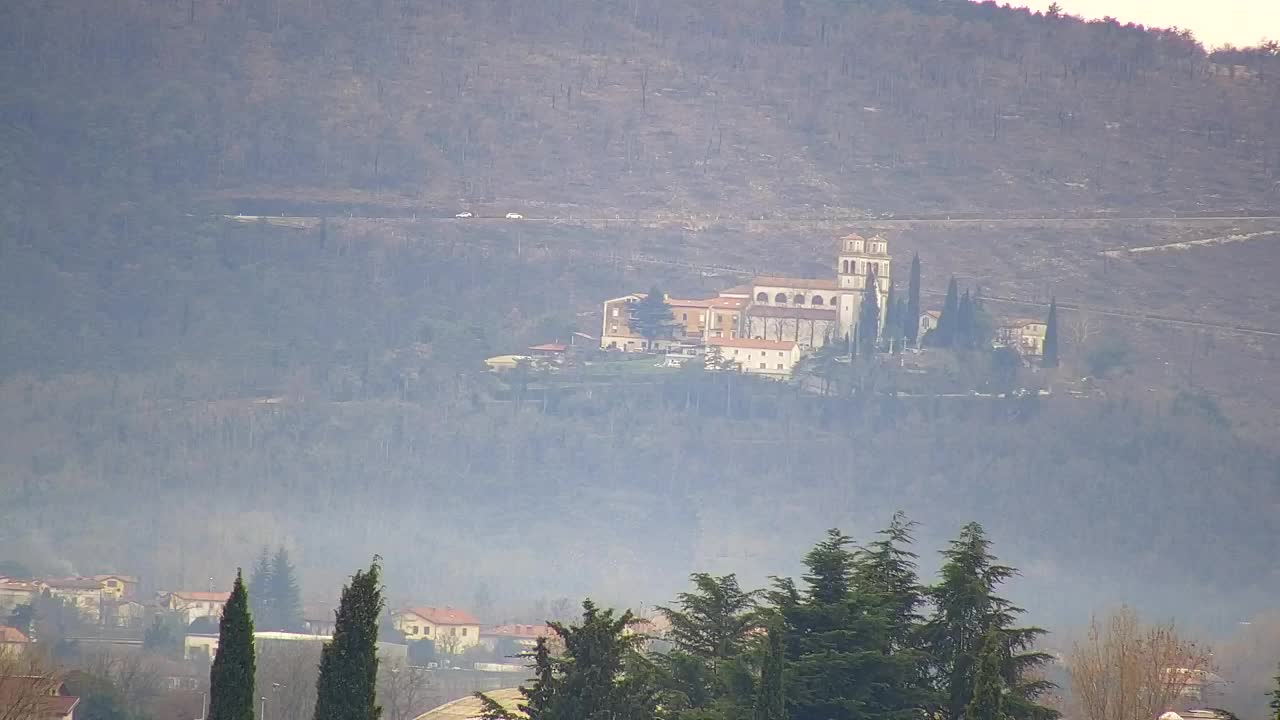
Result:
x=464 y=214
x=514 y=216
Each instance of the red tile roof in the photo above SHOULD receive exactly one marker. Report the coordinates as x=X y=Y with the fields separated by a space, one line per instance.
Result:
x=520 y=631
x=12 y=635
x=444 y=616
x=786 y=282
x=753 y=344
x=200 y=596
x=803 y=313
x=22 y=689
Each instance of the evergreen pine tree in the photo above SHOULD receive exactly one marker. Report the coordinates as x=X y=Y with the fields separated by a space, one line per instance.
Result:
x=869 y=317
x=231 y=677
x=286 y=601
x=349 y=663
x=770 y=701
x=966 y=610
x=1051 y=336
x=912 y=323
x=651 y=317
x=838 y=667
x=988 y=688
x=887 y=570
x=260 y=591
x=713 y=622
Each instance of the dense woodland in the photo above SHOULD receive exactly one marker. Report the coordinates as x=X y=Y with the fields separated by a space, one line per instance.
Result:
x=177 y=390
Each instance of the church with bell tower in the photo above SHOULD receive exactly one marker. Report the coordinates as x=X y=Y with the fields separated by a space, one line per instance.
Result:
x=814 y=311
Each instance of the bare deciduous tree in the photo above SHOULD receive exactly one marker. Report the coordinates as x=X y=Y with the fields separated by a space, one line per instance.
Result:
x=403 y=690
x=1127 y=670
x=25 y=684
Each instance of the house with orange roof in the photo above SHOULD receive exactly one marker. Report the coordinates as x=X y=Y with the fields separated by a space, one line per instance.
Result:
x=193 y=604
x=693 y=322
x=36 y=697
x=83 y=594
x=12 y=641
x=452 y=630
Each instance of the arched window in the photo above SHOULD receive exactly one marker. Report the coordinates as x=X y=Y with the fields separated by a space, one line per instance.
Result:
x=797 y=300
x=762 y=297
x=780 y=298
x=844 y=267
x=817 y=299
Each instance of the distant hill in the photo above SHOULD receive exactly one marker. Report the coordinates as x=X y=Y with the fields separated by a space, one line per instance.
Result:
x=655 y=107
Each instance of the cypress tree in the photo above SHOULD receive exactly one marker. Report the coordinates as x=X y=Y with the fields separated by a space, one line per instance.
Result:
x=651 y=317
x=988 y=690
x=1050 y=359
x=892 y=323
x=349 y=663
x=869 y=317
x=945 y=334
x=770 y=701
x=286 y=601
x=912 y=322
x=231 y=677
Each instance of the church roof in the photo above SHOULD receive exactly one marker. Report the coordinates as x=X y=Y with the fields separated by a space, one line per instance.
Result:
x=808 y=283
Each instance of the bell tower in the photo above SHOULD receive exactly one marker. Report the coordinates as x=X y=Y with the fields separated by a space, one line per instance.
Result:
x=856 y=256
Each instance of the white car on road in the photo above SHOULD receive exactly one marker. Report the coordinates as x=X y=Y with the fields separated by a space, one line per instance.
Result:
x=464 y=214
x=514 y=216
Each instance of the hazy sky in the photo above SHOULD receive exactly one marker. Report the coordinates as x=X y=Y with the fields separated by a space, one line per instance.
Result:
x=1239 y=22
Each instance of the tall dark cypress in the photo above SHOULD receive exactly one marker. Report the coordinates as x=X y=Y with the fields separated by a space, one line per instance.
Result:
x=345 y=689
x=231 y=677
x=892 y=323
x=912 y=322
x=869 y=317
x=1050 y=359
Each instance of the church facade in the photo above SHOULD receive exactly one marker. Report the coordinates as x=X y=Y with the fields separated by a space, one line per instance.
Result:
x=807 y=311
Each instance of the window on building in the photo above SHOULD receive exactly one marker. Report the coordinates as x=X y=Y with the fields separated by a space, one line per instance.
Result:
x=684 y=317
x=779 y=366
x=464 y=632
x=413 y=629
x=616 y=312
x=780 y=298
x=779 y=353
x=844 y=267
x=798 y=299
x=762 y=366
x=762 y=297
x=817 y=299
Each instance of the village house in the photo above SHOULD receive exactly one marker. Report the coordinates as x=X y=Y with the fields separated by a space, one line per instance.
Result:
x=17 y=592
x=1026 y=335
x=191 y=604
x=928 y=322
x=770 y=358
x=319 y=619
x=13 y=641
x=453 y=631
x=83 y=594
x=807 y=311
x=123 y=613
x=513 y=639
x=37 y=698
x=117 y=587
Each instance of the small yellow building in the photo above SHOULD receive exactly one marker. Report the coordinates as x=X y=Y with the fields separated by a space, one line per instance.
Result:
x=1024 y=334
x=453 y=631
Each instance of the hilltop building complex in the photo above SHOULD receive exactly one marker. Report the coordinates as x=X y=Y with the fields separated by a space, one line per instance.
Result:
x=809 y=312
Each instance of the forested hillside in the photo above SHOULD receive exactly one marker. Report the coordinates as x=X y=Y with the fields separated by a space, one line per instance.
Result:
x=177 y=389
x=656 y=107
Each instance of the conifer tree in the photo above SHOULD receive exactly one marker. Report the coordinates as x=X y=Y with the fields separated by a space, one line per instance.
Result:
x=231 y=677
x=770 y=701
x=966 y=610
x=988 y=689
x=869 y=317
x=260 y=591
x=651 y=317
x=286 y=601
x=714 y=621
x=912 y=321
x=944 y=335
x=1050 y=359
x=887 y=570
x=891 y=322
x=345 y=689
